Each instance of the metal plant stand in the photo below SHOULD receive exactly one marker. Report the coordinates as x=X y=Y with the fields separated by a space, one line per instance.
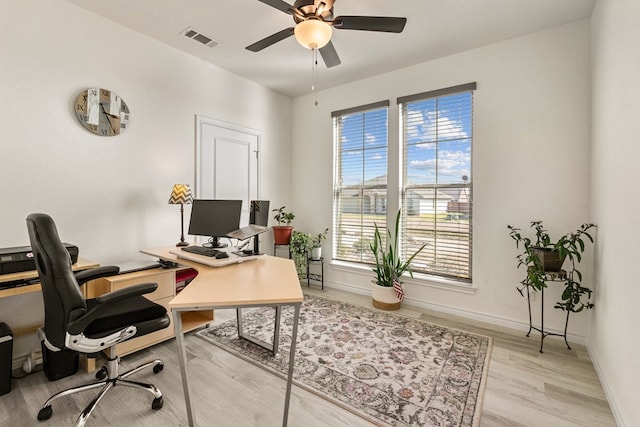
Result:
x=314 y=276
x=559 y=276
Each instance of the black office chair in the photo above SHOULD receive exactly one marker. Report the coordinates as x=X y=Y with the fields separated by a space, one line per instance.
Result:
x=93 y=325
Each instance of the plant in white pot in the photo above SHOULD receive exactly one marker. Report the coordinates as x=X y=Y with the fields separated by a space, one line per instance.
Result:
x=316 y=244
x=387 y=290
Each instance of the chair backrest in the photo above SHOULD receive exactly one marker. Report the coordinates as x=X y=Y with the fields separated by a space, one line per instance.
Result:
x=63 y=301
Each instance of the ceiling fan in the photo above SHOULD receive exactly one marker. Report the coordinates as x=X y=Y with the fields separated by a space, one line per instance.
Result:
x=314 y=26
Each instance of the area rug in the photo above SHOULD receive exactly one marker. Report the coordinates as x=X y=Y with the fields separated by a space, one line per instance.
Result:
x=389 y=369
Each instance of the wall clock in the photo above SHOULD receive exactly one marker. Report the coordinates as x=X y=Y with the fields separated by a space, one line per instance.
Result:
x=102 y=112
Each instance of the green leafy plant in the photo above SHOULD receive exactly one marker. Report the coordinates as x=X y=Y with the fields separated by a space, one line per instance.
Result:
x=299 y=245
x=283 y=217
x=575 y=297
x=389 y=264
x=317 y=239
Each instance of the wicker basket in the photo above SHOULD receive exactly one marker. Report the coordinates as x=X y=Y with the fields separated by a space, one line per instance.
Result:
x=550 y=259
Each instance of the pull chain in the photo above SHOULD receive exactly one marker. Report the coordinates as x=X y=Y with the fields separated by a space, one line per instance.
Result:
x=314 y=74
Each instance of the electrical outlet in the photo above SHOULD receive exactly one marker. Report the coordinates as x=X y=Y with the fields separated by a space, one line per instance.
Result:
x=36 y=357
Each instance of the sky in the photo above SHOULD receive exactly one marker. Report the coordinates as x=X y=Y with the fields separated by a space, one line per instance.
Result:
x=437 y=137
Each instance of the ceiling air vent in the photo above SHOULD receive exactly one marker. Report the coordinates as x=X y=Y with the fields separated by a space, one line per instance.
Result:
x=199 y=37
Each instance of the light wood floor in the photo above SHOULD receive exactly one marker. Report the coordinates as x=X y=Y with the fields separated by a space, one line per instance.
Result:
x=524 y=387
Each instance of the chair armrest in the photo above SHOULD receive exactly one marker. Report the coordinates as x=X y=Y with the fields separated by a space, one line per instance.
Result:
x=125 y=293
x=83 y=276
x=103 y=301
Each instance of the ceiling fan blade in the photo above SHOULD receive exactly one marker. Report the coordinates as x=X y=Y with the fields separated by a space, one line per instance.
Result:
x=278 y=4
x=272 y=39
x=370 y=23
x=329 y=55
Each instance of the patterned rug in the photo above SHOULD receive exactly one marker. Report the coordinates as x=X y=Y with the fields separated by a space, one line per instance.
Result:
x=388 y=369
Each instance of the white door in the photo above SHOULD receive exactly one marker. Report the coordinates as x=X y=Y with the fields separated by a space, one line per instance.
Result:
x=227 y=163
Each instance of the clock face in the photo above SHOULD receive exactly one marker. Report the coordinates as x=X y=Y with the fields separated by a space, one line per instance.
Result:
x=102 y=112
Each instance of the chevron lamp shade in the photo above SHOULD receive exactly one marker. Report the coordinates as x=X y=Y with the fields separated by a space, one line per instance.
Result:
x=181 y=195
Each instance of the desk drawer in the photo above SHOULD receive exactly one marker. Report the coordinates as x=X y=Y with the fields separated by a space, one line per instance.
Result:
x=164 y=279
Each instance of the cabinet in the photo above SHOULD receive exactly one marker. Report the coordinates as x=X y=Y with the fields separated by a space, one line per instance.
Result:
x=166 y=280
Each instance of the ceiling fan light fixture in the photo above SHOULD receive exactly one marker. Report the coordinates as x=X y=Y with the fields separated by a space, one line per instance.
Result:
x=313 y=33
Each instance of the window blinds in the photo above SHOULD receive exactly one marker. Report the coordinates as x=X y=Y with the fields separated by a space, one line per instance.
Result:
x=360 y=186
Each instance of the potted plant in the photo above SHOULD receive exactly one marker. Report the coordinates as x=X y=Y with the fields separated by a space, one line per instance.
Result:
x=300 y=244
x=387 y=290
x=282 y=233
x=544 y=258
x=316 y=244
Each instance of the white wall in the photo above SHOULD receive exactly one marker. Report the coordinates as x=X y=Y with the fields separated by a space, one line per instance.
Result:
x=614 y=344
x=530 y=154
x=109 y=195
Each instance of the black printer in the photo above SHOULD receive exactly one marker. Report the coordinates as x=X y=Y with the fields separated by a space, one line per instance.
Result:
x=15 y=260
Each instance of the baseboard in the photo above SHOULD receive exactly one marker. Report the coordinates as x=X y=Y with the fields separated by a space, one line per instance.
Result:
x=605 y=386
x=478 y=317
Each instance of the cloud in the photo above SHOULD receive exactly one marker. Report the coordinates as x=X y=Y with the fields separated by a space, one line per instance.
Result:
x=450 y=165
x=427 y=125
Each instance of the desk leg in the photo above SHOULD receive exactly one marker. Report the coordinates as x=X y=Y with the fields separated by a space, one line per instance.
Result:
x=292 y=355
x=276 y=331
x=182 y=357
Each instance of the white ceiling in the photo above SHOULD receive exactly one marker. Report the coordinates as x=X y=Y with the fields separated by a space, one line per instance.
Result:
x=435 y=28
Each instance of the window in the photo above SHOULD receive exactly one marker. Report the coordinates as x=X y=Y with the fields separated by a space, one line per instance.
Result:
x=436 y=193
x=360 y=179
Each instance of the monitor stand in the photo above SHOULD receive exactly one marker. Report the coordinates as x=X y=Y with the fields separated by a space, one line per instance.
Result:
x=214 y=243
x=256 y=245
x=249 y=252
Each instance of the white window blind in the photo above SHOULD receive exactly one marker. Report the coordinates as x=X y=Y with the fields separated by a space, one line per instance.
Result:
x=360 y=179
x=436 y=193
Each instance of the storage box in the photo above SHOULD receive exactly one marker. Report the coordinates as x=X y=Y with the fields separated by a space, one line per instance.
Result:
x=6 y=357
x=59 y=364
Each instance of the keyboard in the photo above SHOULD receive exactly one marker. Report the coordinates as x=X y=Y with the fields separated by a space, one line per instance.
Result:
x=200 y=250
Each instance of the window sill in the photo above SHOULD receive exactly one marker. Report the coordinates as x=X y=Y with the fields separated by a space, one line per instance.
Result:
x=418 y=278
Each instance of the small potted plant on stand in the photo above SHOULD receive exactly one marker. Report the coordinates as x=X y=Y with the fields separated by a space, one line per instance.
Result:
x=282 y=233
x=316 y=245
x=544 y=258
x=387 y=290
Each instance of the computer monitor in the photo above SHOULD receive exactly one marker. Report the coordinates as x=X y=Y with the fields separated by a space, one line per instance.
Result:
x=259 y=214
x=214 y=219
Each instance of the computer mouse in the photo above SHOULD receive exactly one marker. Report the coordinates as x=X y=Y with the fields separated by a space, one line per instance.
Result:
x=222 y=255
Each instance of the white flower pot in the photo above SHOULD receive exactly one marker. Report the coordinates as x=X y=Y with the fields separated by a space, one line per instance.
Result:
x=384 y=297
x=316 y=253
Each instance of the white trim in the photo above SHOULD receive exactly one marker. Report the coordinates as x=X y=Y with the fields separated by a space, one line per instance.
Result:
x=617 y=415
x=418 y=279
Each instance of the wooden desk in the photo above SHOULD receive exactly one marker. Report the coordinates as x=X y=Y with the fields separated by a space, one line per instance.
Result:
x=267 y=281
x=81 y=264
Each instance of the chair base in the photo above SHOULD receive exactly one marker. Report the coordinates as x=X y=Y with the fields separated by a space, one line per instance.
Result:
x=110 y=378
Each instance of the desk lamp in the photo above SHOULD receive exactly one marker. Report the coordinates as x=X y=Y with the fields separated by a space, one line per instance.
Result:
x=181 y=195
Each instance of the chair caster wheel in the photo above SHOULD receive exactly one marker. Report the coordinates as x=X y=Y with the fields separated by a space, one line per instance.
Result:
x=45 y=413
x=156 y=404
x=157 y=368
x=101 y=373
